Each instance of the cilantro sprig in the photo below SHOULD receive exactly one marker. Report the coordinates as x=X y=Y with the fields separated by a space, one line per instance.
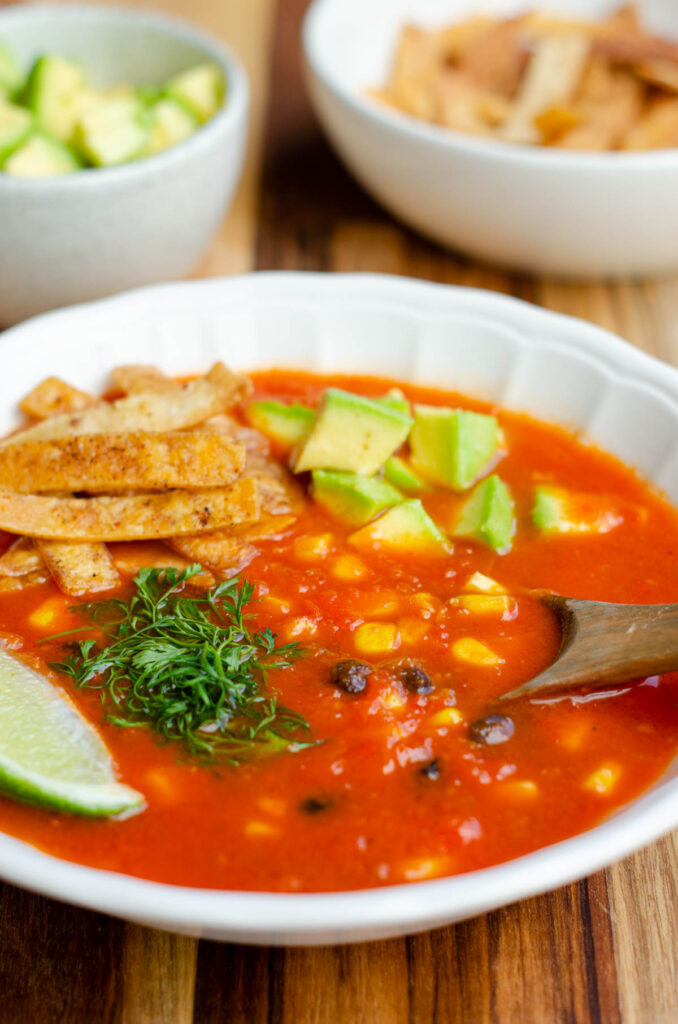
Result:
x=187 y=665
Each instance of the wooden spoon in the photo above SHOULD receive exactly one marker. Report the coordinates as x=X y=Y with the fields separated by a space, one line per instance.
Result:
x=606 y=643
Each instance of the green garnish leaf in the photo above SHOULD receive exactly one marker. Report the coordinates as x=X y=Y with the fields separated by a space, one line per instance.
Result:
x=187 y=665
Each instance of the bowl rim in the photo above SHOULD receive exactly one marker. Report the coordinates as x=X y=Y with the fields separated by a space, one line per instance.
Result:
x=318 y=918
x=227 y=118
x=452 y=142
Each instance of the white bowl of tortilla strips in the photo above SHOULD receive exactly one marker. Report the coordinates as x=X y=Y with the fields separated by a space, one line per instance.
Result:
x=467 y=180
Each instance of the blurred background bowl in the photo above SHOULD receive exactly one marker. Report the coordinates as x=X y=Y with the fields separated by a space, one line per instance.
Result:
x=88 y=234
x=540 y=210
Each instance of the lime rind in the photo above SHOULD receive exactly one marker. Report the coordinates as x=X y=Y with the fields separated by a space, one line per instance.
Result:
x=99 y=800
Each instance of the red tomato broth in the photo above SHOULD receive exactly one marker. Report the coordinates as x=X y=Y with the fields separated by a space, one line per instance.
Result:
x=385 y=822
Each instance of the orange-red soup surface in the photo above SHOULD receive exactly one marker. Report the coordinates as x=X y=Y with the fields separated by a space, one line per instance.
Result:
x=365 y=807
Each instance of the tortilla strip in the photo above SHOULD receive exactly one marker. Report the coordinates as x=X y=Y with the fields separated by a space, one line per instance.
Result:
x=656 y=128
x=496 y=59
x=156 y=413
x=138 y=379
x=253 y=440
x=609 y=103
x=414 y=69
x=139 y=517
x=131 y=558
x=662 y=73
x=279 y=491
x=32 y=579
x=226 y=553
x=110 y=463
x=79 y=568
x=54 y=396
x=460 y=104
x=21 y=558
x=552 y=76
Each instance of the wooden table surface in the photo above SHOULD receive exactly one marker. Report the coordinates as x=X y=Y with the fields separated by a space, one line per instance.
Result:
x=603 y=950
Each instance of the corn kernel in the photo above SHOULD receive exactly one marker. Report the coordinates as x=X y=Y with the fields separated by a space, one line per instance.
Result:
x=481 y=584
x=260 y=828
x=427 y=604
x=430 y=867
x=348 y=567
x=275 y=605
x=382 y=602
x=314 y=548
x=483 y=604
x=447 y=716
x=603 y=780
x=520 y=788
x=376 y=638
x=475 y=653
x=574 y=737
x=412 y=630
x=45 y=614
x=303 y=626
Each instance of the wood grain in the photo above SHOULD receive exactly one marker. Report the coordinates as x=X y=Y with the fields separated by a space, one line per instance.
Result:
x=604 y=951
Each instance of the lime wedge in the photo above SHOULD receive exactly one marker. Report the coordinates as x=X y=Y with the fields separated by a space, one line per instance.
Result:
x=49 y=754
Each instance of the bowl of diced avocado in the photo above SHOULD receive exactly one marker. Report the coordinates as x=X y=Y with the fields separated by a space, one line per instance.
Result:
x=122 y=136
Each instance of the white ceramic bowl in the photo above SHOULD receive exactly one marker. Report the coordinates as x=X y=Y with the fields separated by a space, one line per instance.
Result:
x=95 y=232
x=507 y=351
x=546 y=211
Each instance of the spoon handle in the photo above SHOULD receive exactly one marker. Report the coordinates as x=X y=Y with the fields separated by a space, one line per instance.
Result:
x=607 y=643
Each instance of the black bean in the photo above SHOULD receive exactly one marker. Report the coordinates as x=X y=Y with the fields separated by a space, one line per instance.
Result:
x=492 y=729
x=414 y=678
x=316 y=804
x=431 y=770
x=350 y=676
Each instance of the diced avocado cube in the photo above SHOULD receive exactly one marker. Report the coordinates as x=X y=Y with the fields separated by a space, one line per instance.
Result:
x=201 y=89
x=557 y=510
x=352 y=498
x=452 y=447
x=395 y=399
x=57 y=93
x=15 y=127
x=400 y=474
x=113 y=132
x=487 y=515
x=41 y=157
x=404 y=529
x=12 y=75
x=171 y=122
x=287 y=425
x=353 y=433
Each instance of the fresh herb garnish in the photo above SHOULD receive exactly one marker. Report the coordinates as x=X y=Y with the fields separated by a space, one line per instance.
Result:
x=189 y=667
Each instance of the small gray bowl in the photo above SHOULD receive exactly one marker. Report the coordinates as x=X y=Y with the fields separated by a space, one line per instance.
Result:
x=98 y=231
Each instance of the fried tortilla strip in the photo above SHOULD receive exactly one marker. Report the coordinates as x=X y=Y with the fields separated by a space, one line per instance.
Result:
x=227 y=552
x=254 y=440
x=657 y=128
x=416 y=65
x=109 y=463
x=21 y=558
x=463 y=106
x=496 y=59
x=609 y=103
x=32 y=579
x=454 y=40
x=137 y=379
x=138 y=517
x=551 y=79
x=155 y=413
x=79 y=568
x=54 y=396
x=661 y=73
x=129 y=559
x=280 y=493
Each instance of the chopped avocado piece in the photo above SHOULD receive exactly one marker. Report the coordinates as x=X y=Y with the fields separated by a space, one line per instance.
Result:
x=452 y=447
x=201 y=89
x=353 y=499
x=172 y=122
x=57 y=93
x=557 y=510
x=15 y=127
x=12 y=75
x=405 y=529
x=395 y=399
x=487 y=515
x=352 y=433
x=285 y=424
x=398 y=473
x=41 y=157
x=113 y=132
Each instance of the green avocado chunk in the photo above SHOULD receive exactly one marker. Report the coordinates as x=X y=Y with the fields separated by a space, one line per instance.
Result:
x=41 y=157
x=353 y=433
x=398 y=473
x=395 y=399
x=15 y=127
x=171 y=122
x=405 y=529
x=487 y=515
x=557 y=510
x=114 y=131
x=201 y=89
x=12 y=76
x=452 y=447
x=285 y=424
x=57 y=93
x=352 y=498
